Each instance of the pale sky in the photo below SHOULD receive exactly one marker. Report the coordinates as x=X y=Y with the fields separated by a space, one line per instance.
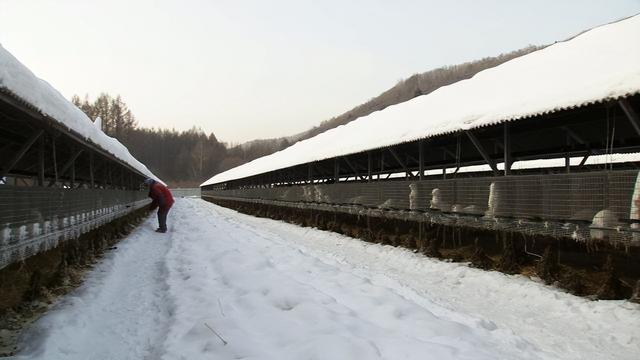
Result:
x=260 y=69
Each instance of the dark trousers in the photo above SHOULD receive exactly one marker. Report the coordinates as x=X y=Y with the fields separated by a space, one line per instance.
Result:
x=162 y=218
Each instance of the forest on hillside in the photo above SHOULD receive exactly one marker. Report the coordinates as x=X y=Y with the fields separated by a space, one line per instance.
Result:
x=187 y=158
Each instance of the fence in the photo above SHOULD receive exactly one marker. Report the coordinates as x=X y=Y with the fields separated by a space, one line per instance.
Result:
x=35 y=219
x=591 y=205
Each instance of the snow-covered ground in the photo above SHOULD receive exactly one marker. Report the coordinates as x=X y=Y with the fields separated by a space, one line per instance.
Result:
x=273 y=290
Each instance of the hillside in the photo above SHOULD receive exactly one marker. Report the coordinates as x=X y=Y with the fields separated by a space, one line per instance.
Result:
x=407 y=89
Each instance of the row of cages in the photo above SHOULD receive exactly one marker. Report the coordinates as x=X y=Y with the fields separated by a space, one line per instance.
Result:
x=36 y=219
x=603 y=205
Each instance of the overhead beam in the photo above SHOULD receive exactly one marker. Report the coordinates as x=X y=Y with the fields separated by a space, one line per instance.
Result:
x=23 y=150
x=634 y=119
x=482 y=151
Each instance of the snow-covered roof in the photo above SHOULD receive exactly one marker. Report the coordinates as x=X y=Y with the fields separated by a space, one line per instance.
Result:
x=20 y=82
x=598 y=65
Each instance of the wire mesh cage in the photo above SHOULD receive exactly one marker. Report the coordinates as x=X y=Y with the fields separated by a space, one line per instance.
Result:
x=590 y=205
x=35 y=219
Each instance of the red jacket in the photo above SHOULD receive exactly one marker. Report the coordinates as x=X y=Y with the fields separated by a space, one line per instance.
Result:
x=161 y=196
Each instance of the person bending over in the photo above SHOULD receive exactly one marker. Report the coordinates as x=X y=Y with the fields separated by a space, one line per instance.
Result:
x=162 y=199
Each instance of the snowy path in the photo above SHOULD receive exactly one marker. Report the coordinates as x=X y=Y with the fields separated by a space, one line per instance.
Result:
x=120 y=312
x=277 y=291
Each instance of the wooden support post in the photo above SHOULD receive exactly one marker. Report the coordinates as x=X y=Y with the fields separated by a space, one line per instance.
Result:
x=73 y=174
x=336 y=170
x=421 y=159
x=482 y=151
x=310 y=173
x=567 y=159
x=41 y=162
x=381 y=164
x=369 y=165
x=91 y=177
x=458 y=153
x=108 y=178
x=67 y=165
x=23 y=150
x=634 y=119
x=55 y=161
x=507 y=150
x=444 y=167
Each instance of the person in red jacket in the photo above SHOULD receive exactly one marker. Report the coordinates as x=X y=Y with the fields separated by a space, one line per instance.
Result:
x=162 y=199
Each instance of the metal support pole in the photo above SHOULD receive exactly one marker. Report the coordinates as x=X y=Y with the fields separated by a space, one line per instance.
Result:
x=567 y=159
x=381 y=164
x=73 y=174
x=68 y=165
x=507 y=150
x=634 y=119
x=458 y=154
x=444 y=167
x=91 y=178
x=369 y=165
x=421 y=159
x=108 y=179
x=55 y=161
x=41 y=162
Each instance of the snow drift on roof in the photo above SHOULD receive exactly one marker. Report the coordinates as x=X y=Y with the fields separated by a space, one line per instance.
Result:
x=597 y=65
x=21 y=82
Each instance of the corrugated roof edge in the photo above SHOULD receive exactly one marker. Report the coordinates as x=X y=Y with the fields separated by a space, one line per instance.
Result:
x=62 y=126
x=551 y=110
x=526 y=116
